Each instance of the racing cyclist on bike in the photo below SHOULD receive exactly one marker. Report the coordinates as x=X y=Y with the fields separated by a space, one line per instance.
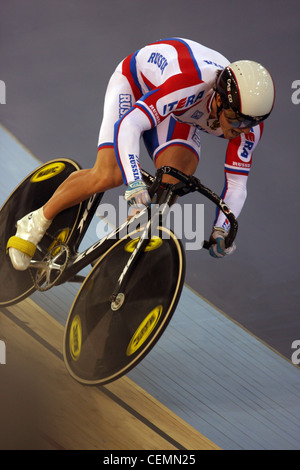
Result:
x=167 y=93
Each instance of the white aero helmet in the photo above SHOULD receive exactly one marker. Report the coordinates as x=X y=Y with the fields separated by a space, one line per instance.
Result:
x=247 y=88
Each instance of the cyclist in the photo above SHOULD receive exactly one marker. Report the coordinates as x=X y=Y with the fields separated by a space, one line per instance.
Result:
x=167 y=93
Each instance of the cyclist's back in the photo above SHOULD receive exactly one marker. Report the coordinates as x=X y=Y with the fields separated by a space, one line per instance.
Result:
x=159 y=61
x=172 y=76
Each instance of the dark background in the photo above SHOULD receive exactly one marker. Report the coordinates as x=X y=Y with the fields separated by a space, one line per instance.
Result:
x=56 y=58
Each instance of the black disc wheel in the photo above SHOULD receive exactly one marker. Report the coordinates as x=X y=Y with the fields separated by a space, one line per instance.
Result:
x=32 y=193
x=103 y=339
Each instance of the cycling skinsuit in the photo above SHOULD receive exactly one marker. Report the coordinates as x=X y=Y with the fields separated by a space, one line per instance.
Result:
x=163 y=93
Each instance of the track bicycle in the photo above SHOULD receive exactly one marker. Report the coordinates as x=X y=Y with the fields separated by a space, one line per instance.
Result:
x=126 y=301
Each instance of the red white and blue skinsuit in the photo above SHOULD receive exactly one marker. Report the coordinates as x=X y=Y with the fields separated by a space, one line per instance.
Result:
x=163 y=93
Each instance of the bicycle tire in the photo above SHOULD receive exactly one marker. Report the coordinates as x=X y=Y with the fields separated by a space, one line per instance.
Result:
x=102 y=345
x=33 y=192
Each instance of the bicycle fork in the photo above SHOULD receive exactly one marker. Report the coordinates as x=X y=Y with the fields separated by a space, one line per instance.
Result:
x=118 y=296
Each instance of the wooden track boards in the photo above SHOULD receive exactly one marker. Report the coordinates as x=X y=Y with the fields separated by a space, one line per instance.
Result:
x=42 y=407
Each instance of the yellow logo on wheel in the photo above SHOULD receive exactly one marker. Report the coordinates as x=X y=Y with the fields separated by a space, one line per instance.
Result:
x=75 y=339
x=144 y=330
x=47 y=171
x=61 y=237
x=154 y=243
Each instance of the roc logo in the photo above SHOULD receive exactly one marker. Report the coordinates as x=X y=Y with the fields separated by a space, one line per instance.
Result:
x=47 y=171
x=144 y=330
x=75 y=339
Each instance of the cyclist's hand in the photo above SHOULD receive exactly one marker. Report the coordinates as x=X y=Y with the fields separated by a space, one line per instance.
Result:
x=137 y=195
x=218 y=249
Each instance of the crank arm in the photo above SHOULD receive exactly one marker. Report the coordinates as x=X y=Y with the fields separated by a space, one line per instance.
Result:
x=38 y=264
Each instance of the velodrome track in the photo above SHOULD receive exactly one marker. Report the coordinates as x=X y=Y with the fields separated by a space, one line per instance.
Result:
x=46 y=409
x=208 y=384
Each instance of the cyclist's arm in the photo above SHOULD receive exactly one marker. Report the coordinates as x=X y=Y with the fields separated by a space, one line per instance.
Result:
x=147 y=113
x=237 y=167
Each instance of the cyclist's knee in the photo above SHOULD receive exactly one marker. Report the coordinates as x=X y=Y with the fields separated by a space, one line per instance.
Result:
x=106 y=171
x=103 y=180
x=183 y=159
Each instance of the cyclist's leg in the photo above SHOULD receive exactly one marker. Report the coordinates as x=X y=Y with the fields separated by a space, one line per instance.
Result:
x=179 y=157
x=105 y=175
x=175 y=144
x=78 y=187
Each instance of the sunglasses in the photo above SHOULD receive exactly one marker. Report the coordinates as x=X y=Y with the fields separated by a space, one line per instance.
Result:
x=238 y=121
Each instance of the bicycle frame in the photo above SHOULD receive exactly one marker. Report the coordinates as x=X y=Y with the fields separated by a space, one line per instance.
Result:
x=79 y=260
